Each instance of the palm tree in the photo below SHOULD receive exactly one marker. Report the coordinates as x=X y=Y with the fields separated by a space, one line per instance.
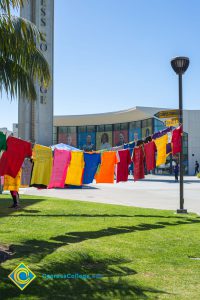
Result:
x=21 y=62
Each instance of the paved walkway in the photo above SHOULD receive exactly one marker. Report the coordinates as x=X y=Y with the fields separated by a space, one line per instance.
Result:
x=154 y=191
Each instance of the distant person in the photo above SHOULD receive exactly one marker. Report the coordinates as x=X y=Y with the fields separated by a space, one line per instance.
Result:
x=176 y=171
x=196 y=167
x=89 y=146
x=105 y=141
x=15 y=197
x=121 y=140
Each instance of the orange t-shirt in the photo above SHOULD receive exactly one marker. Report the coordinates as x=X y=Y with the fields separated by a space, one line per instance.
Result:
x=107 y=167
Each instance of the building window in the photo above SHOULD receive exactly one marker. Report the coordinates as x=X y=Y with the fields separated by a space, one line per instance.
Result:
x=158 y=125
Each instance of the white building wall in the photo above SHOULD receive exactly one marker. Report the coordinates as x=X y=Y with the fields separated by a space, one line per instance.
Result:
x=191 y=123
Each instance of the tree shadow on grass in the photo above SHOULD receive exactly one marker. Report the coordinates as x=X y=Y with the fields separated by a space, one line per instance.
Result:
x=69 y=215
x=35 y=250
x=117 y=281
x=108 y=287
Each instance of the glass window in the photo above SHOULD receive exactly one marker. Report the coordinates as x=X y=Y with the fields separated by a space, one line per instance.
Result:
x=91 y=128
x=158 y=125
x=100 y=128
x=116 y=126
x=108 y=127
x=81 y=129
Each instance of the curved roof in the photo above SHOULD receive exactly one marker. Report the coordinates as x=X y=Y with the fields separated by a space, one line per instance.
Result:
x=133 y=114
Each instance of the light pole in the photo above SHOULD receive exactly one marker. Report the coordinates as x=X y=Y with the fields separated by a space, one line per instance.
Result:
x=180 y=65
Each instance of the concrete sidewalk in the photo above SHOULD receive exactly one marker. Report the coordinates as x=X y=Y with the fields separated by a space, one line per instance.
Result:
x=155 y=191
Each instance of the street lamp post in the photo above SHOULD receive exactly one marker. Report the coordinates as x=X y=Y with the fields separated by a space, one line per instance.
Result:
x=180 y=65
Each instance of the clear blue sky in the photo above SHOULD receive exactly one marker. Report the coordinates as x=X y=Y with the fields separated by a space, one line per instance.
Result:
x=115 y=54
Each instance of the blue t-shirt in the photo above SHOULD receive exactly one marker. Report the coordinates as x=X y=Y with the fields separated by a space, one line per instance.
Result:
x=92 y=161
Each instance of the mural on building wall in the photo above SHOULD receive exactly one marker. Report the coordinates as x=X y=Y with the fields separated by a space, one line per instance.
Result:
x=120 y=137
x=67 y=135
x=146 y=131
x=103 y=140
x=147 y=128
x=86 y=141
x=135 y=134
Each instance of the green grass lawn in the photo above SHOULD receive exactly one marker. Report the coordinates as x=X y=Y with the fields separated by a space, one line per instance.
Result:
x=141 y=253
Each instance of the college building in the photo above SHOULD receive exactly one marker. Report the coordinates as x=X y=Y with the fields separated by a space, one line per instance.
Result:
x=116 y=128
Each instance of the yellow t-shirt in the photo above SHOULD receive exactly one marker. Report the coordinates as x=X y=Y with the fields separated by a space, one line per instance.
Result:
x=42 y=165
x=161 y=144
x=75 y=170
x=12 y=184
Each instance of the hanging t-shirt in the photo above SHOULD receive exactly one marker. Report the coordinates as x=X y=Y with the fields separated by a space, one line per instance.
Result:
x=26 y=173
x=150 y=149
x=92 y=161
x=75 y=170
x=138 y=160
x=106 y=172
x=123 y=165
x=176 y=140
x=12 y=184
x=42 y=165
x=3 y=145
x=161 y=145
x=13 y=158
x=61 y=163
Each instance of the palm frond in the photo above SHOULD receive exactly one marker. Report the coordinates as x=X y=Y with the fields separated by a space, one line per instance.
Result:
x=15 y=80
x=21 y=62
x=19 y=45
x=17 y=29
x=6 y=5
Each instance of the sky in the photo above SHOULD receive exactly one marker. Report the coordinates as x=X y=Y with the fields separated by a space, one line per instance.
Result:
x=111 y=55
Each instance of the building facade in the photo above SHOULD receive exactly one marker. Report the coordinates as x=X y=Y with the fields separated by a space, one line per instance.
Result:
x=120 y=127
x=35 y=119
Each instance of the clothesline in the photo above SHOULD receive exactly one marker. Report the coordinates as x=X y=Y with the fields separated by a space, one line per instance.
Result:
x=70 y=166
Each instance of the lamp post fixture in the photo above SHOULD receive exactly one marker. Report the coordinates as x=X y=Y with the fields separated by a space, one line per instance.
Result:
x=180 y=65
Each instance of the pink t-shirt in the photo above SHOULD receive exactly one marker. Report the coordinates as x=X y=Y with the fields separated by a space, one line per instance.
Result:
x=61 y=162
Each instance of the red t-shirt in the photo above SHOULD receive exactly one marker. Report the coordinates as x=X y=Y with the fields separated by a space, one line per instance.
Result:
x=138 y=160
x=122 y=166
x=150 y=149
x=12 y=159
x=176 y=140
